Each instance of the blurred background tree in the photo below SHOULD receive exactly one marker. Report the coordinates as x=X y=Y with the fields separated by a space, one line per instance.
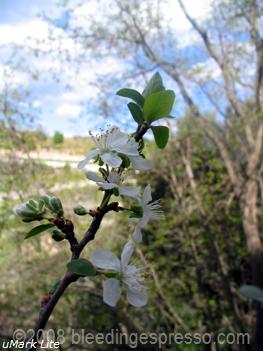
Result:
x=58 y=138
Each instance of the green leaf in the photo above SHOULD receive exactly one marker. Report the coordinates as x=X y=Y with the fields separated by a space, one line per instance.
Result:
x=154 y=85
x=132 y=94
x=158 y=105
x=161 y=135
x=39 y=229
x=81 y=267
x=253 y=292
x=136 y=112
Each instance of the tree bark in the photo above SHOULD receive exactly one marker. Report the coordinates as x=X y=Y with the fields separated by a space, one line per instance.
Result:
x=251 y=229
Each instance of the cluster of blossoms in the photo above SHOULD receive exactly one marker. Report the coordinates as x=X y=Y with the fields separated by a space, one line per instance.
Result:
x=112 y=147
x=114 y=153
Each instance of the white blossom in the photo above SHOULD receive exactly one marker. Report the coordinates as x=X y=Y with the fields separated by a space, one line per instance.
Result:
x=150 y=211
x=112 y=142
x=127 y=275
x=114 y=181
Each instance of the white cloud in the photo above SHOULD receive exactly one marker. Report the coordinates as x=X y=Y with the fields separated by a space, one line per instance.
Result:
x=205 y=71
x=13 y=78
x=35 y=33
x=175 y=20
x=18 y=33
x=36 y=103
x=68 y=110
x=175 y=17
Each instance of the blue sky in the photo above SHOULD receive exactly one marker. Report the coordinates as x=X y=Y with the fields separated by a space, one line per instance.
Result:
x=57 y=107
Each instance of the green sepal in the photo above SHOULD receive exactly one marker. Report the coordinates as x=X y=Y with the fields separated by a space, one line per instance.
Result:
x=110 y=274
x=115 y=191
x=101 y=163
x=141 y=145
x=125 y=160
x=136 y=211
x=103 y=172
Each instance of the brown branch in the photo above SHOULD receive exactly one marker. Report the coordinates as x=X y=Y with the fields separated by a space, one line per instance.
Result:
x=76 y=248
x=258 y=42
x=204 y=36
x=228 y=84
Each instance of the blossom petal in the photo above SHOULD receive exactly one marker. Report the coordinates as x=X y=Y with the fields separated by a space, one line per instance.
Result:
x=128 y=191
x=118 y=138
x=145 y=218
x=90 y=155
x=137 y=234
x=126 y=254
x=137 y=297
x=147 y=195
x=123 y=143
x=107 y=186
x=105 y=259
x=131 y=148
x=111 y=291
x=140 y=163
x=94 y=177
x=111 y=159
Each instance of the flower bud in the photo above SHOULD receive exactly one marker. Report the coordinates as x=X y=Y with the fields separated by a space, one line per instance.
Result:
x=57 y=206
x=53 y=204
x=80 y=210
x=32 y=210
x=57 y=235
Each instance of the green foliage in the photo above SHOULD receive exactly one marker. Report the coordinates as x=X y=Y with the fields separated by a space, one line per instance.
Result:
x=161 y=135
x=154 y=103
x=158 y=105
x=154 y=85
x=39 y=229
x=81 y=267
x=136 y=113
x=132 y=94
x=58 y=138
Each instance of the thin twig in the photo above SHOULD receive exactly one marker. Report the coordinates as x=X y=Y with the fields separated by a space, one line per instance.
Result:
x=76 y=248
